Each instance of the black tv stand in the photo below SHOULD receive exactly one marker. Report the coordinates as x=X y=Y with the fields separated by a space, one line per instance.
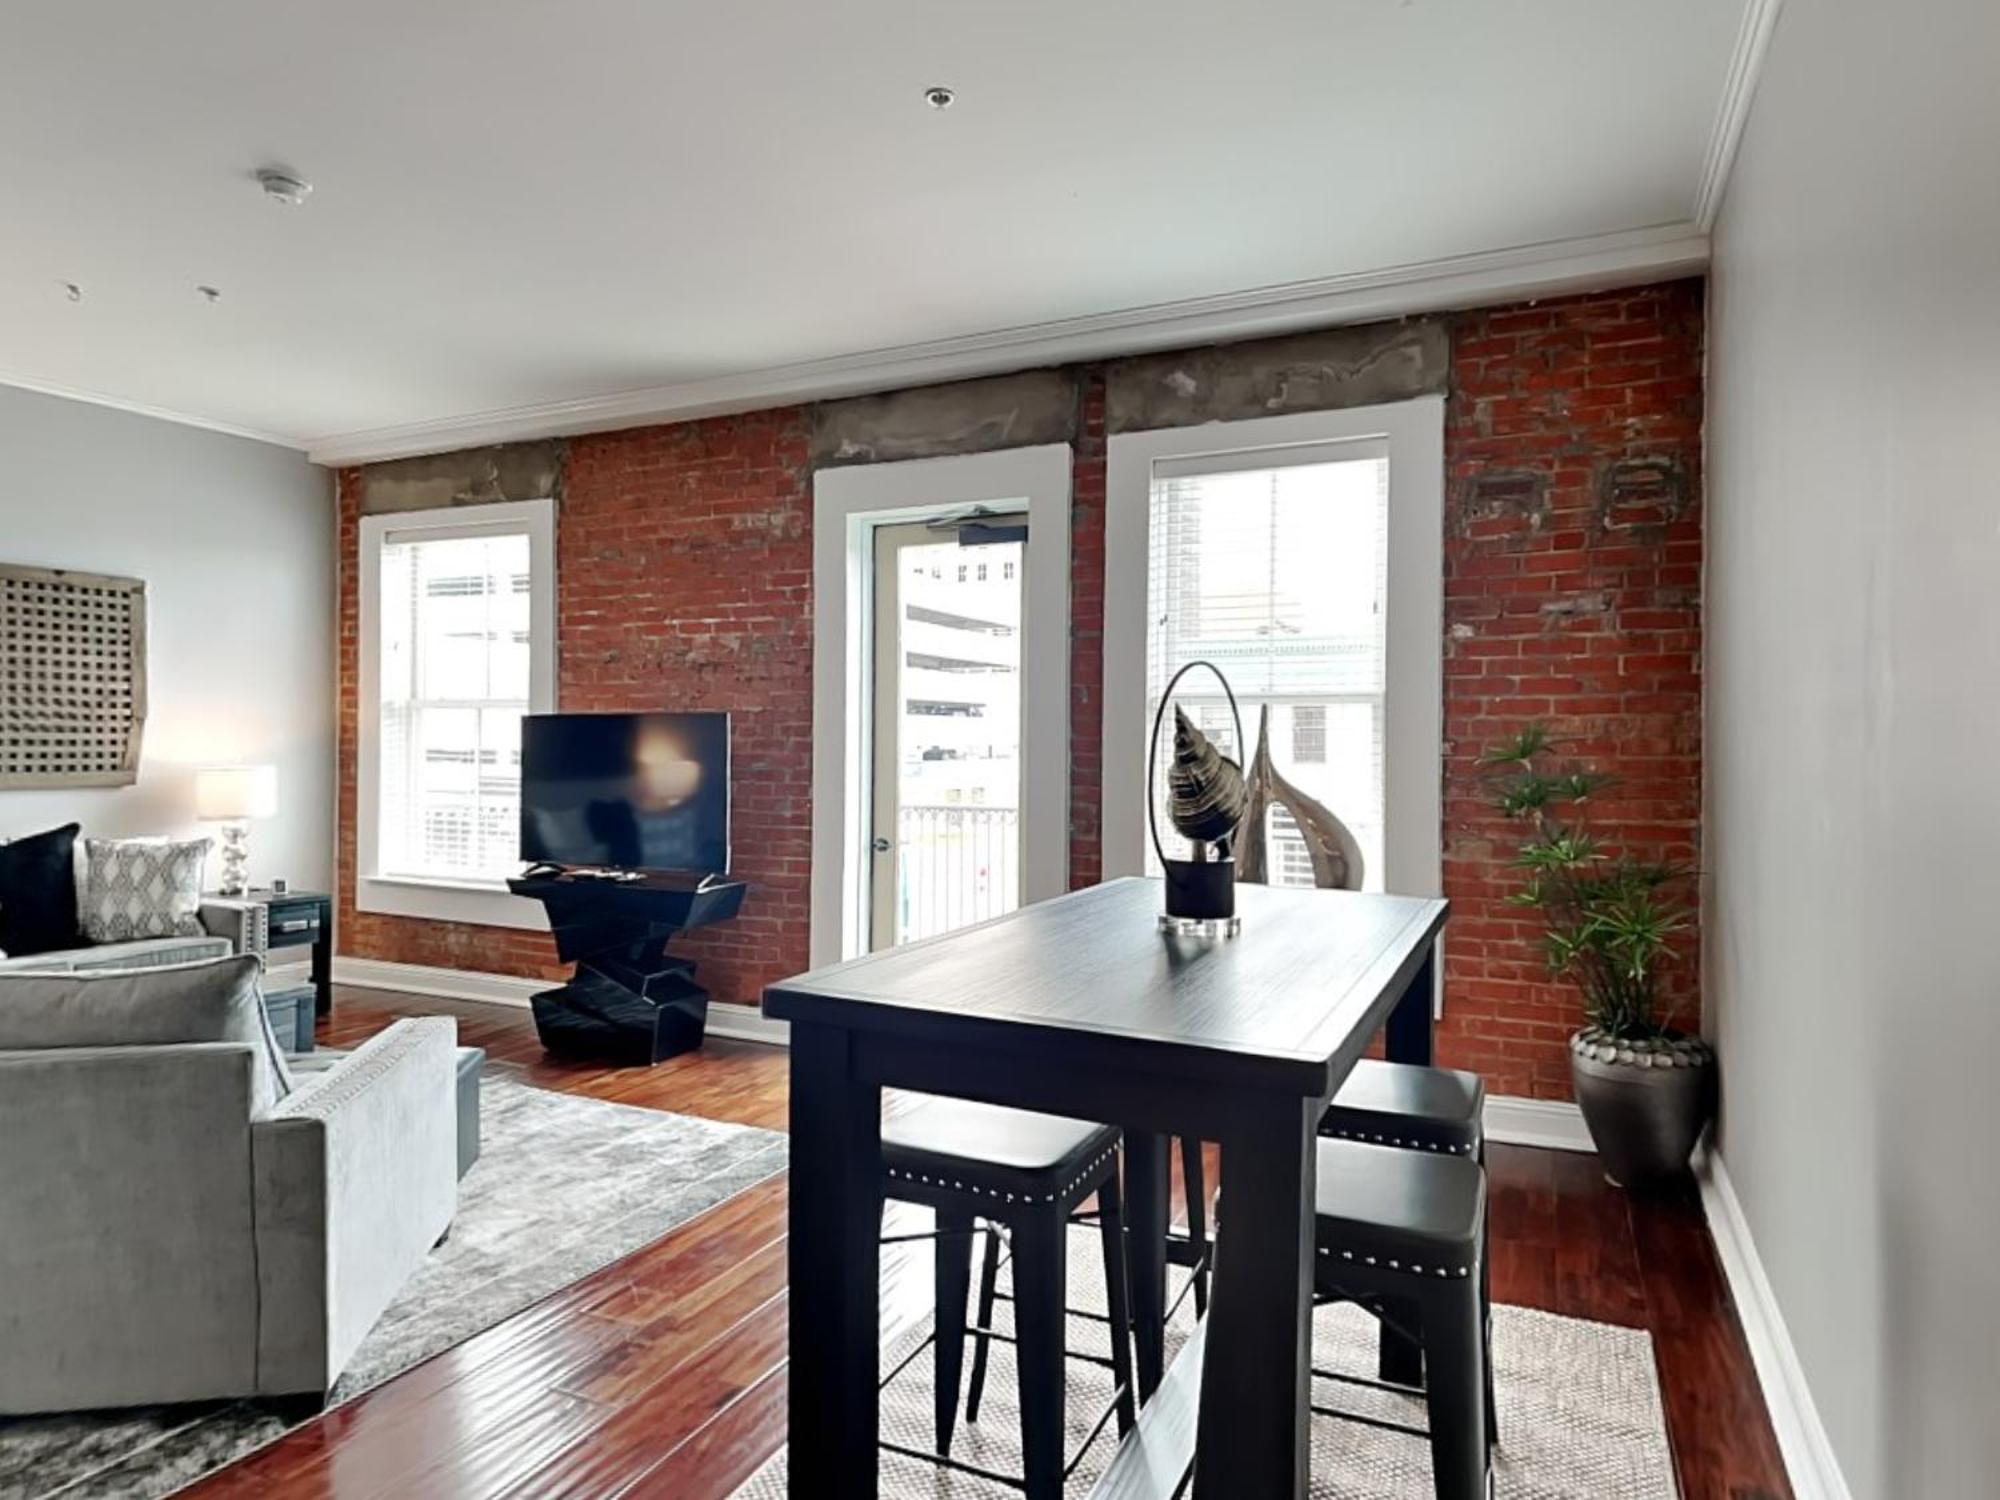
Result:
x=629 y=1001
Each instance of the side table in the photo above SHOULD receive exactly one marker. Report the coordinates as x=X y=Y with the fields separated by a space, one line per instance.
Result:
x=261 y=920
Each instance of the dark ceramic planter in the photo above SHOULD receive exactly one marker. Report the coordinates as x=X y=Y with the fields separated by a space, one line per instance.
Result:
x=1645 y=1102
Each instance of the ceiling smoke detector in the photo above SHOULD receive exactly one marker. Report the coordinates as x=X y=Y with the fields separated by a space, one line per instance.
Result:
x=937 y=96
x=283 y=187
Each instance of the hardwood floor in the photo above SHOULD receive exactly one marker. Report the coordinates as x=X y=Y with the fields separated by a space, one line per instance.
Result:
x=663 y=1374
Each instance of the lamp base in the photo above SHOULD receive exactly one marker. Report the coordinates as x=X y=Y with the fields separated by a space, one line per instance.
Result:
x=235 y=859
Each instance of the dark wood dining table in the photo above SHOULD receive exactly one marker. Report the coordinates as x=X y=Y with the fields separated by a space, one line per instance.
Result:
x=1081 y=1006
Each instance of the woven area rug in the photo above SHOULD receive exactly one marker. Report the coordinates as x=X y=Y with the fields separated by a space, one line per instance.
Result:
x=1579 y=1406
x=563 y=1187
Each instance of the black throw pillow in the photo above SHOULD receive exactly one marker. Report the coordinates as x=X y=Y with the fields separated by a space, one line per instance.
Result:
x=38 y=893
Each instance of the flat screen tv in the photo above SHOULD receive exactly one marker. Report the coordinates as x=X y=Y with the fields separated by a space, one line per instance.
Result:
x=626 y=791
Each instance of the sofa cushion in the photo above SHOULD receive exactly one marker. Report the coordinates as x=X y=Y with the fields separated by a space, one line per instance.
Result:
x=138 y=888
x=216 y=1001
x=38 y=893
x=140 y=953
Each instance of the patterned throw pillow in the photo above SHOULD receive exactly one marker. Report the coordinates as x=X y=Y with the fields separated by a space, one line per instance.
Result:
x=142 y=890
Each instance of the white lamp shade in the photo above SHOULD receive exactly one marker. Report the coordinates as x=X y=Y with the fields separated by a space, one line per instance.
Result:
x=227 y=792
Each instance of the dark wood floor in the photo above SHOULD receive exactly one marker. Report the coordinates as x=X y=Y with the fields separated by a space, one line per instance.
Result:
x=664 y=1374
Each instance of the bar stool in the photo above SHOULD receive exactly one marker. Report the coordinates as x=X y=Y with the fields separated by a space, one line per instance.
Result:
x=1418 y=1109
x=1193 y=1251
x=1403 y=1233
x=1026 y=1172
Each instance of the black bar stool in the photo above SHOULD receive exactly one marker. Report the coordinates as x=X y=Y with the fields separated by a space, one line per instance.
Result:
x=1193 y=1250
x=1403 y=1233
x=1026 y=1172
x=1417 y=1109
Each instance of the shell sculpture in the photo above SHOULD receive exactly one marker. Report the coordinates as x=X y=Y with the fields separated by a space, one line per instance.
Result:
x=1205 y=791
x=1336 y=857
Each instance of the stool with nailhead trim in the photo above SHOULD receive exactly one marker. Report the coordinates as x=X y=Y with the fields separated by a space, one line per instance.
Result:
x=1028 y=1173
x=1404 y=1234
x=1418 y=1109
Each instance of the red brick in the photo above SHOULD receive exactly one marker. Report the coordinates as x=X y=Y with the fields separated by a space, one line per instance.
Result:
x=698 y=595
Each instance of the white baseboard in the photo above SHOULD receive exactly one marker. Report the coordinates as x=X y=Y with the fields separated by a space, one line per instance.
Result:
x=446 y=984
x=736 y=1021
x=1556 y=1124
x=1815 y=1472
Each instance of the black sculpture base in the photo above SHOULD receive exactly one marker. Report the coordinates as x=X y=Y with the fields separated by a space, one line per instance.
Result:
x=629 y=1003
x=1201 y=890
x=599 y=1016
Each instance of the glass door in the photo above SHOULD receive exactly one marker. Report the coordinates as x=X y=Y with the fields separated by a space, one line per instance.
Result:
x=946 y=684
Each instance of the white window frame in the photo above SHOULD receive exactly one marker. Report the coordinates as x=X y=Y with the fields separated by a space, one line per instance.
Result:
x=848 y=504
x=1413 y=728
x=487 y=903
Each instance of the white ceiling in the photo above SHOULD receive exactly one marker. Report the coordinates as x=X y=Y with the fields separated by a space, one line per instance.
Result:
x=541 y=204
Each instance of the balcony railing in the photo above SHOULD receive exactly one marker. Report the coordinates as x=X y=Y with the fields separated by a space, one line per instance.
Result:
x=955 y=865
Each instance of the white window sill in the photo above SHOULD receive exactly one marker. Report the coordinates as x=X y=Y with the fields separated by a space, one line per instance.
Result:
x=481 y=903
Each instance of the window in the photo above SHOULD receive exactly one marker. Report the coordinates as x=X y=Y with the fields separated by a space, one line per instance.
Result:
x=1303 y=555
x=453 y=648
x=1309 y=734
x=457 y=643
x=1274 y=569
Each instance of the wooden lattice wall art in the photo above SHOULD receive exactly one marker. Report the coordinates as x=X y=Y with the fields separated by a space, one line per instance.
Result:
x=72 y=678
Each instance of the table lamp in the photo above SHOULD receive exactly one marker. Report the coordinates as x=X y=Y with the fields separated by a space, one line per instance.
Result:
x=231 y=796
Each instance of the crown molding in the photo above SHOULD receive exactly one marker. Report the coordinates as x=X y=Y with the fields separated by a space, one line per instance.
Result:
x=1739 y=91
x=1591 y=263
x=23 y=382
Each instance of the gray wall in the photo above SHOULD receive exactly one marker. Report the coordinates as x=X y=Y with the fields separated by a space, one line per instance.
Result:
x=1853 y=657
x=235 y=542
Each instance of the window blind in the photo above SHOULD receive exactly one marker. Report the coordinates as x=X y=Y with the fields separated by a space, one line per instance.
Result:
x=1274 y=567
x=454 y=676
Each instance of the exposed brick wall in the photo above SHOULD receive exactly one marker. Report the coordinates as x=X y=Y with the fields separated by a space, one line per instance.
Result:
x=1086 y=638
x=1572 y=594
x=684 y=573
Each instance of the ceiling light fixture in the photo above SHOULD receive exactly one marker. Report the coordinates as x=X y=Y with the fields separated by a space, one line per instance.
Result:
x=937 y=96
x=283 y=186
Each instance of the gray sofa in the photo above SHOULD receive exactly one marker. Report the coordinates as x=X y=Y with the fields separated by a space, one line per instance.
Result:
x=184 y=1220
x=144 y=953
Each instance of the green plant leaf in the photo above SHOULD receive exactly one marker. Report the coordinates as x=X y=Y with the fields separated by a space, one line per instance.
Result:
x=1520 y=749
x=1580 y=786
x=1527 y=794
x=1609 y=920
x=1558 y=851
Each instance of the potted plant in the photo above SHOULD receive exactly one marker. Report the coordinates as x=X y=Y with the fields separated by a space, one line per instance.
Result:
x=1645 y=1087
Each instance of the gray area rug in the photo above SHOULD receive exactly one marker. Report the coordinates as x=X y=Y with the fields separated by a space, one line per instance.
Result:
x=563 y=1187
x=1579 y=1410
